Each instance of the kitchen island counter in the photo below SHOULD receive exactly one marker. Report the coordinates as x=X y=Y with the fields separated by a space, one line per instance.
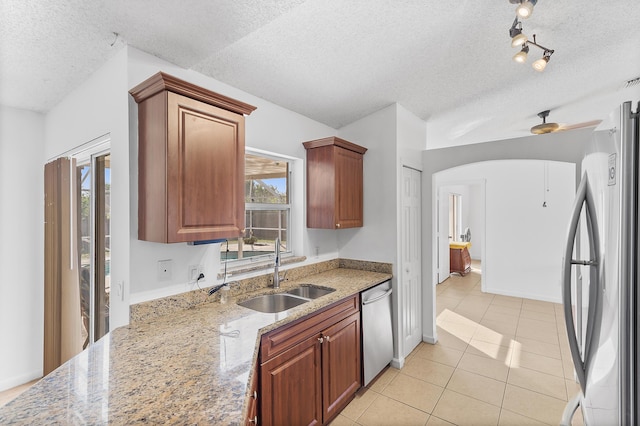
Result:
x=191 y=366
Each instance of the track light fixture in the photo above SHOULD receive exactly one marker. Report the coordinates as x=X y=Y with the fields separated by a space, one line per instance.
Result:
x=519 y=39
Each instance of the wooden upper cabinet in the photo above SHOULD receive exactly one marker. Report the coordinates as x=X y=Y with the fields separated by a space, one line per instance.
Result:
x=190 y=162
x=334 y=183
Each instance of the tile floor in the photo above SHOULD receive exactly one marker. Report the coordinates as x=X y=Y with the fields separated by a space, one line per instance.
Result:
x=499 y=361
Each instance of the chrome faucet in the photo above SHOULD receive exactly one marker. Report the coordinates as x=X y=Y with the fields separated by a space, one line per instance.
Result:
x=276 y=268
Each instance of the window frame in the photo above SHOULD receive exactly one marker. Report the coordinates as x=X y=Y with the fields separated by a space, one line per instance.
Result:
x=288 y=251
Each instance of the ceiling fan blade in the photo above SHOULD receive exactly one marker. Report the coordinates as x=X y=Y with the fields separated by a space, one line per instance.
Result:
x=585 y=124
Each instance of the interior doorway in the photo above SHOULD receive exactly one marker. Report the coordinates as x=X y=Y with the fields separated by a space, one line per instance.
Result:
x=460 y=217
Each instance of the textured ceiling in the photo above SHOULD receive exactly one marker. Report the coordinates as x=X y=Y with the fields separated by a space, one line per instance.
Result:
x=339 y=60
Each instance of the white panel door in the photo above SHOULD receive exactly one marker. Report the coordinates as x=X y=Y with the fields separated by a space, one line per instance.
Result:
x=411 y=273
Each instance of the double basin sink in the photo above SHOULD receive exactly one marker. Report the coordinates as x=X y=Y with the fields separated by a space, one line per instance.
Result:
x=273 y=303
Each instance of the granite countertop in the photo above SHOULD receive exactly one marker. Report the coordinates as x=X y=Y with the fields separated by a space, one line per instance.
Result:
x=188 y=367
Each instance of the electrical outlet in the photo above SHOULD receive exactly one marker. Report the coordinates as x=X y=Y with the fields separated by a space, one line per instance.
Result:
x=164 y=269
x=194 y=272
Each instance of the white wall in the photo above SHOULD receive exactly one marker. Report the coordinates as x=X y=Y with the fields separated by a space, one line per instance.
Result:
x=561 y=146
x=99 y=107
x=524 y=241
x=269 y=128
x=376 y=240
x=21 y=246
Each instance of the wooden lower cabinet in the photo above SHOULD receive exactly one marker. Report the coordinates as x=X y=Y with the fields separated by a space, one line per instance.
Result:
x=292 y=386
x=312 y=381
x=340 y=365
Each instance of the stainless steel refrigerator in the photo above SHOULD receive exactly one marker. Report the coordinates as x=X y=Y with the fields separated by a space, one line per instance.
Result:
x=600 y=276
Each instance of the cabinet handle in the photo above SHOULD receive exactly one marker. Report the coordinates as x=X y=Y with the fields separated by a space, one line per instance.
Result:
x=326 y=338
x=337 y=225
x=320 y=339
x=254 y=420
x=255 y=395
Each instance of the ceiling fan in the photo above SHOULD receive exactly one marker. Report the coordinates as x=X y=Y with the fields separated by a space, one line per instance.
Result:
x=544 y=127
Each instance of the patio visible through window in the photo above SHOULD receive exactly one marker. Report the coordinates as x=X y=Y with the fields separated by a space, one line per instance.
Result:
x=267 y=209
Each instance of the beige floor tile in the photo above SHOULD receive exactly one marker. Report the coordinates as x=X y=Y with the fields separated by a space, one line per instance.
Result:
x=427 y=370
x=456 y=323
x=530 y=331
x=572 y=388
x=489 y=350
x=543 y=364
x=363 y=399
x=500 y=317
x=472 y=314
x=484 y=366
x=453 y=341
x=568 y=368
x=540 y=348
x=413 y=392
x=463 y=410
x=342 y=421
x=477 y=386
x=495 y=332
x=503 y=328
x=473 y=300
x=505 y=310
x=441 y=354
x=512 y=302
x=538 y=305
x=447 y=302
x=507 y=418
x=414 y=351
x=454 y=293
x=436 y=421
x=386 y=410
x=538 y=382
x=540 y=316
x=379 y=383
x=534 y=405
x=537 y=324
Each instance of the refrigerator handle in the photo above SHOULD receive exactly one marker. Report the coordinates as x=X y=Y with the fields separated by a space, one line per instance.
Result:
x=583 y=198
x=570 y=409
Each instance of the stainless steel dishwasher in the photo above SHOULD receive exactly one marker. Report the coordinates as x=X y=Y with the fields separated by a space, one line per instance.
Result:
x=377 y=331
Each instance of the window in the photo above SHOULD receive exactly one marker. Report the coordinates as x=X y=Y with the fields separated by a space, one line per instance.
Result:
x=267 y=210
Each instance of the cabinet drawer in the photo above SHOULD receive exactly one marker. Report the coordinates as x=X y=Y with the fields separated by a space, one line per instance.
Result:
x=289 y=335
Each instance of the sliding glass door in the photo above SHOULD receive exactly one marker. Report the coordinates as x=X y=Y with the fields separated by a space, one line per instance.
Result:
x=94 y=243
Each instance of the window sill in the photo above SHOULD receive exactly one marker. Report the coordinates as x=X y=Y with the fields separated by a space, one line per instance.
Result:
x=260 y=266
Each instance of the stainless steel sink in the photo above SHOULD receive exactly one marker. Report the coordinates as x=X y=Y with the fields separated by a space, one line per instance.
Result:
x=272 y=303
x=310 y=291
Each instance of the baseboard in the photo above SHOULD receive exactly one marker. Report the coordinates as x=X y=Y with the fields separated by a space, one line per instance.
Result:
x=19 y=380
x=430 y=339
x=397 y=363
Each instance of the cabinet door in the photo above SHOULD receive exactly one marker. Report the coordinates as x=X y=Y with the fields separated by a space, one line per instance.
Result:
x=292 y=386
x=341 y=365
x=349 y=179
x=205 y=171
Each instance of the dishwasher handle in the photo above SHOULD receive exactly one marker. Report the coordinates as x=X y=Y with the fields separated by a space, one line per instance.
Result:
x=382 y=296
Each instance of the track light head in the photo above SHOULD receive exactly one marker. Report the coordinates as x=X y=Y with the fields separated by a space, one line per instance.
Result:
x=521 y=56
x=525 y=8
x=541 y=63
